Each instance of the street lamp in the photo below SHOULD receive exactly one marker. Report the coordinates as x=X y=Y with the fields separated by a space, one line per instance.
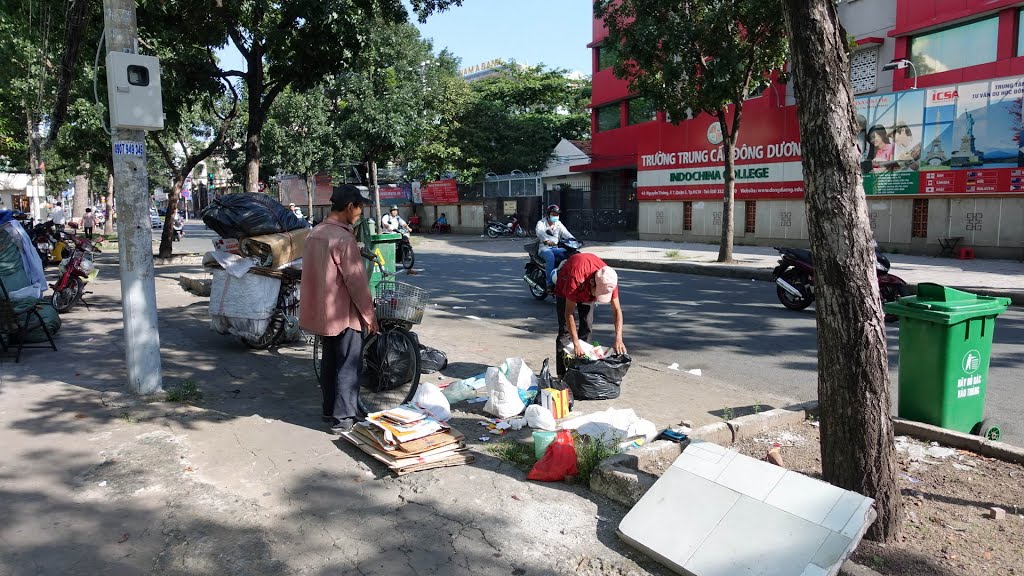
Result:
x=900 y=64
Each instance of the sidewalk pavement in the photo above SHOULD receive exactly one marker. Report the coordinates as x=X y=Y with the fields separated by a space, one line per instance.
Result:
x=95 y=481
x=988 y=277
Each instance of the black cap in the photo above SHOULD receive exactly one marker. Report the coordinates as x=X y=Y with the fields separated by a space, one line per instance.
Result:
x=347 y=194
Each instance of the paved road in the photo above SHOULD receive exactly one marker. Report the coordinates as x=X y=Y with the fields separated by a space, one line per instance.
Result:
x=733 y=330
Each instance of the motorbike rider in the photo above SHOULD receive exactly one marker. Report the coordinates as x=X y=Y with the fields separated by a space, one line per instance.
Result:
x=392 y=222
x=178 y=224
x=549 y=233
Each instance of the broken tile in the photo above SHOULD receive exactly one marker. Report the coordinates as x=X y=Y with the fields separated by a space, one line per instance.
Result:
x=843 y=511
x=697 y=505
x=804 y=496
x=831 y=553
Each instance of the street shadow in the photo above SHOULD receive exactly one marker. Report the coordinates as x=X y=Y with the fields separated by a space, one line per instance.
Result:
x=731 y=412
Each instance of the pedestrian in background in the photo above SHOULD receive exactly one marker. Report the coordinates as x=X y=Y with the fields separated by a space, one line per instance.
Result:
x=88 y=222
x=584 y=281
x=337 y=305
x=58 y=216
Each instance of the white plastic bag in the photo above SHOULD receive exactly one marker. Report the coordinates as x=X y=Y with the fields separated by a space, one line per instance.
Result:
x=538 y=417
x=503 y=398
x=431 y=400
x=459 y=391
x=590 y=352
x=518 y=373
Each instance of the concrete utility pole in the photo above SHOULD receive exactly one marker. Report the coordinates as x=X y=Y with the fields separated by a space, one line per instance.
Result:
x=134 y=234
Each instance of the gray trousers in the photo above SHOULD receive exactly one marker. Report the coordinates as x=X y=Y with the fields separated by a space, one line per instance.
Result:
x=340 y=369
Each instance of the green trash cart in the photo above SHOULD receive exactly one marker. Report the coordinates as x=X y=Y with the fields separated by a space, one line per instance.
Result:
x=945 y=347
x=384 y=247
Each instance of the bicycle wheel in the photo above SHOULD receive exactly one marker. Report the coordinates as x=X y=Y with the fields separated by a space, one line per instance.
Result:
x=391 y=370
x=273 y=333
x=318 y=357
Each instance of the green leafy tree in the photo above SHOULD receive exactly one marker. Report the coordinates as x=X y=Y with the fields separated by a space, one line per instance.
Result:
x=514 y=119
x=701 y=56
x=857 y=448
x=301 y=137
x=296 y=43
x=438 y=151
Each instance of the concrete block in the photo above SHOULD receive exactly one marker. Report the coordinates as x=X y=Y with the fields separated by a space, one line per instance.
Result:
x=718 y=432
x=996 y=513
x=618 y=479
x=746 y=427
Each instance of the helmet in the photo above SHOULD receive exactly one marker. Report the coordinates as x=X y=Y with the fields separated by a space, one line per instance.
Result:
x=553 y=208
x=393 y=209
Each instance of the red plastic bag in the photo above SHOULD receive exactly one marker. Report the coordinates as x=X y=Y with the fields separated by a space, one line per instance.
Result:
x=558 y=462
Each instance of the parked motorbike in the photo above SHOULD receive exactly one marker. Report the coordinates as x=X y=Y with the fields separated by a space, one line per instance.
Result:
x=511 y=228
x=794 y=279
x=535 y=268
x=75 y=272
x=48 y=242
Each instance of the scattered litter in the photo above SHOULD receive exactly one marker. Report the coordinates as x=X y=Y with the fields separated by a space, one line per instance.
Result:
x=774 y=456
x=695 y=372
x=910 y=478
x=477 y=400
x=124 y=538
x=408 y=439
x=940 y=452
x=102 y=484
x=458 y=307
x=474 y=317
x=673 y=313
x=485 y=438
x=782 y=438
x=673 y=366
x=613 y=426
x=816 y=424
x=996 y=513
x=503 y=425
x=538 y=417
x=962 y=467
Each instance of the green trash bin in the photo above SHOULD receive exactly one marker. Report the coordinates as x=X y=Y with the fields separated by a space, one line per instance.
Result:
x=945 y=346
x=384 y=247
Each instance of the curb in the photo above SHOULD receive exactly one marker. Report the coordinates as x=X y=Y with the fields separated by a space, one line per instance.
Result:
x=180 y=260
x=851 y=568
x=765 y=275
x=954 y=439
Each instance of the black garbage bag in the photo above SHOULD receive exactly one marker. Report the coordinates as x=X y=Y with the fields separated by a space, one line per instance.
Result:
x=247 y=215
x=544 y=380
x=432 y=360
x=389 y=361
x=597 y=379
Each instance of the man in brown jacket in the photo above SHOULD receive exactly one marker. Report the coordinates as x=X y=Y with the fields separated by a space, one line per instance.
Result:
x=337 y=305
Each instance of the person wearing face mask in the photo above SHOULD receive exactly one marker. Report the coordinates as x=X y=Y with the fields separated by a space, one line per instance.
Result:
x=550 y=231
x=337 y=305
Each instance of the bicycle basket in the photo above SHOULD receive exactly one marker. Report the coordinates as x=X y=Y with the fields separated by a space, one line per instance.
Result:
x=400 y=301
x=532 y=247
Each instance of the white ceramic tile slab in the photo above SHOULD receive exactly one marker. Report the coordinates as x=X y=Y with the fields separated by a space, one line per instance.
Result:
x=804 y=496
x=691 y=462
x=675 y=516
x=855 y=526
x=832 y=553
x=754 y=478
x=813 y=570
x=755 y=539
x=709 y=455
x=841 y=513
x=709 y=447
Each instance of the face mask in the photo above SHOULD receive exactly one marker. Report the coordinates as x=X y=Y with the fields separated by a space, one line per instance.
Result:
x=553 y=219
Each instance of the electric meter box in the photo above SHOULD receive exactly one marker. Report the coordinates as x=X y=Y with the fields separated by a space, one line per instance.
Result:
x=133 y=90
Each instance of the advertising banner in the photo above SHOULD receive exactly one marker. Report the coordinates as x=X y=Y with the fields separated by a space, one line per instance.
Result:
x=964 y=139
x=440 y=192
x=767 y=160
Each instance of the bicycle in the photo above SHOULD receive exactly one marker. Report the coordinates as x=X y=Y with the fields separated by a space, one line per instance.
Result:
x=391 y=357
x=285 y=312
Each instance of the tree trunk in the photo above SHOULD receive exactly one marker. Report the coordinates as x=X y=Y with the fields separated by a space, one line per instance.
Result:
x=255 y=88
x=167 y=231
x=33 y=164
x=108 y=207
x=310 y=191
x=729 y=199
x=857 y=449
x=375 y=191
x=81 y=197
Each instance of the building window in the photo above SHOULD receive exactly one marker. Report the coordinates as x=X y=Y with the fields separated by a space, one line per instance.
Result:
x=864 y=70
x=606 y=55
x=957 y=47
x=1020 y=32
x=919 y=225
x=641 y=110
x=608 y=117
x=750 y=217
x=687 y=216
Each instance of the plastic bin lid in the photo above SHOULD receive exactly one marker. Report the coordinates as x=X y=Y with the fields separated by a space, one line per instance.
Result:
x=945 y=305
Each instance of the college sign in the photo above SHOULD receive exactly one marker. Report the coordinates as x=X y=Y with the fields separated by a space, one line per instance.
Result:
x=767 y=161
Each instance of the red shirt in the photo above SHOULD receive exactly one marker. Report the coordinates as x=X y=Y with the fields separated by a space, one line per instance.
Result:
x=574 y=278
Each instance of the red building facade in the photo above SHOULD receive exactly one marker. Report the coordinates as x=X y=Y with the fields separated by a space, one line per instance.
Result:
x=941 y=141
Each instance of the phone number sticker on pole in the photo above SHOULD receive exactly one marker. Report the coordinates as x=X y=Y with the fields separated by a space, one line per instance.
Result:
x=130 y=149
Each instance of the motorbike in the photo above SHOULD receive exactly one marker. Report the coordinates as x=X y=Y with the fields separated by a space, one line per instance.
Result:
x=403 y=251
x=535 y=268
x=512 y=228
x=48 y=242
x=75 y=271
x=794 y=279
x=177 y=230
